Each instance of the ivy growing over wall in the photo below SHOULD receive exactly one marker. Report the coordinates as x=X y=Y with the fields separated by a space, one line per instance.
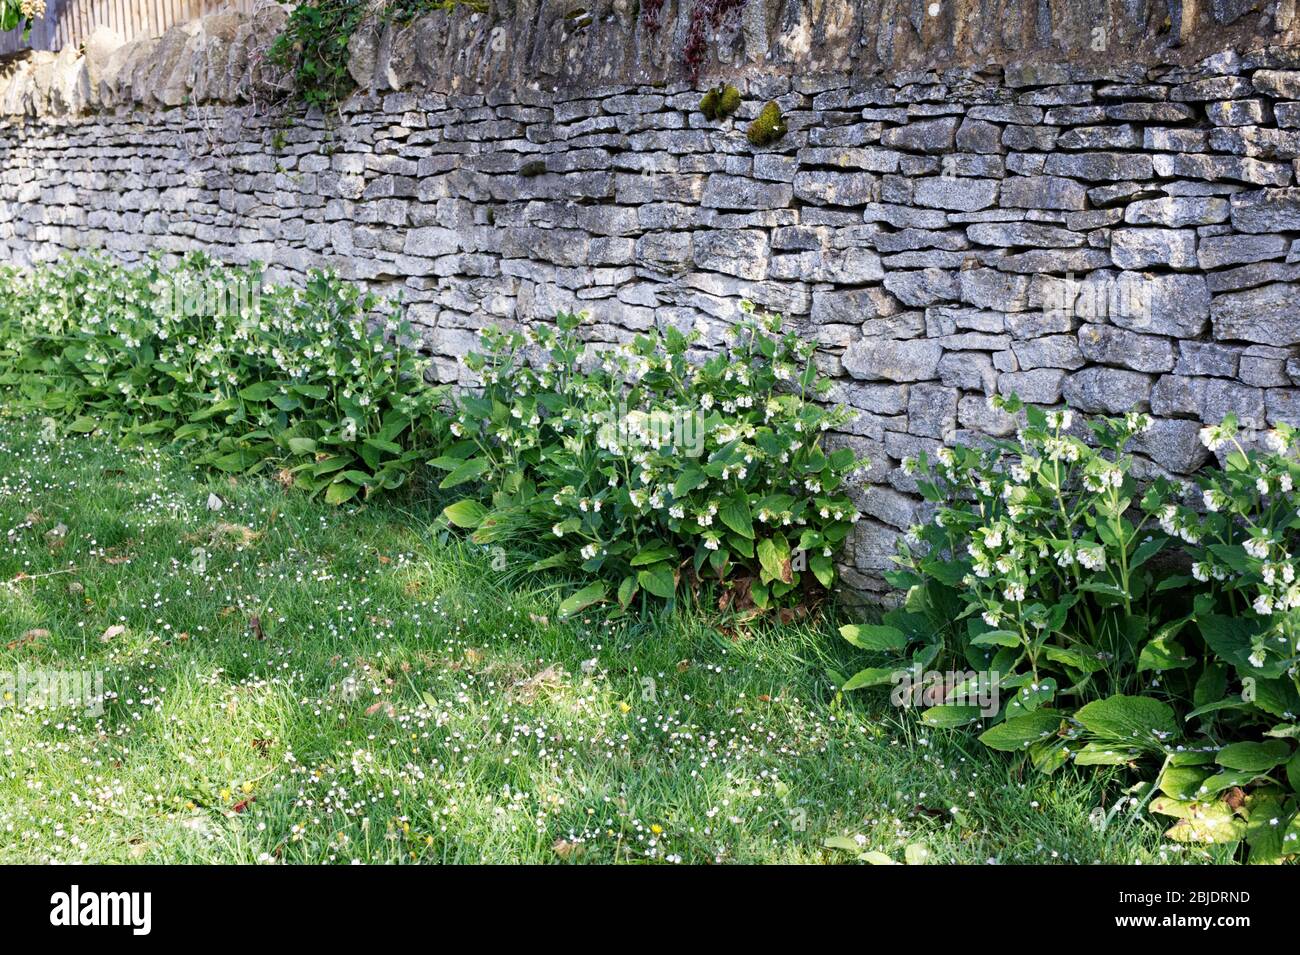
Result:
x=314 y=42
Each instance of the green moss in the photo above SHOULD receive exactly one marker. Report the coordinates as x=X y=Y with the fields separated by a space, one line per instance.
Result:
x=769 y=127
x=534 y=168
x=720 y=102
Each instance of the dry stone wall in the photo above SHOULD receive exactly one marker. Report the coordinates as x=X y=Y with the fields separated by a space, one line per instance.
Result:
x=1116 y=235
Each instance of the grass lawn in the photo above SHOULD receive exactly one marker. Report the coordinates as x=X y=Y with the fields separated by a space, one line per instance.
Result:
x=406 y=702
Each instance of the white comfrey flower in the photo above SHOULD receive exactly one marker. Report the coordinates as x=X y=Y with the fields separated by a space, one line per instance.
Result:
x=1014 y=592
x=1263 y=606
x=991 y=618
x=1061 y=419
x=557 y=530
x=1200 y=571
x=1212 y=437
x=1256 y=658
x=1290 y=601
x=1137 y=422
x=1093 y=558
x=1274 y=441
x=1261 y=485
x=1257 y=547
x=1213 y=499
x=1284 y=482
x=590 y=551
x=710 y=542
x=1167 y=519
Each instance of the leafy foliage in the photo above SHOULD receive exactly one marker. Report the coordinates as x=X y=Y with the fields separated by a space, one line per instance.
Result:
x=637 y=471
x=242 y=377
x=1121 y=629
x=314 y=45
x=314 y=41
x=650 y=472
x=15 y=13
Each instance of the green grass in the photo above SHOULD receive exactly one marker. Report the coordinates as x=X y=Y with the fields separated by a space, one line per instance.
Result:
x=407 y=702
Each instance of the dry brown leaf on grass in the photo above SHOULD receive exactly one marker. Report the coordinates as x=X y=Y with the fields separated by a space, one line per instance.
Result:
x=114 y=631
x=526 y=691
x=566 y=849
x=31 y=636
x=225 y=532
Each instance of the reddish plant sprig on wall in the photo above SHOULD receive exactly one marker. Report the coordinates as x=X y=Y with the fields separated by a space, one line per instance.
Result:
x=650 y=10
x=705 y=15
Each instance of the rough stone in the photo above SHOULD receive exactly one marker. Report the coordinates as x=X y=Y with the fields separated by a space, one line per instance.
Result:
x=893 y=360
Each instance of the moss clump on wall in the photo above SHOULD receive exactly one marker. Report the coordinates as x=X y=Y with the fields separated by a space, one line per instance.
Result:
x=769 y=127
x=720 y=102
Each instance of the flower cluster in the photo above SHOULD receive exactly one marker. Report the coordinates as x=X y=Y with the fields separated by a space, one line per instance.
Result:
x=1028 y=529
x=322 y=382
x=650 y=460
x=1126 y=622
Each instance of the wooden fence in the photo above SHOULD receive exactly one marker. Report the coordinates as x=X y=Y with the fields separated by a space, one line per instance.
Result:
x=72 y=21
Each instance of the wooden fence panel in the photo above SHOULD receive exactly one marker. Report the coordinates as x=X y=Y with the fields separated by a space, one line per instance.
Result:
x=68 y=22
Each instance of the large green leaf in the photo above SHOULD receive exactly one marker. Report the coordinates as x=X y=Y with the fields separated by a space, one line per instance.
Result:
x=1020 y=732
x=734 y=512
x=950 y=715
x=340 y=491
x=774 y=559
x=874 y=637
x=658 y=579
x=584 y=598
x=653 y=554
x=466 y=472
x=871 y=676
x=466 y=513
x=1256 y=757
x=259 y=390
x=1133 y=720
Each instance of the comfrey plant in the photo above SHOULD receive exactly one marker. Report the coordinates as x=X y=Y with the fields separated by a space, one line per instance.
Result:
x=1124 y=625
x=654 y=472
x=321 y=383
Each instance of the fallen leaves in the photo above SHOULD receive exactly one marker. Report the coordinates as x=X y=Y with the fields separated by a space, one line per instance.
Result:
x=547 y=680
x=566 y=849
x=114 y=631
x=57 y=536
x=27 y=639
